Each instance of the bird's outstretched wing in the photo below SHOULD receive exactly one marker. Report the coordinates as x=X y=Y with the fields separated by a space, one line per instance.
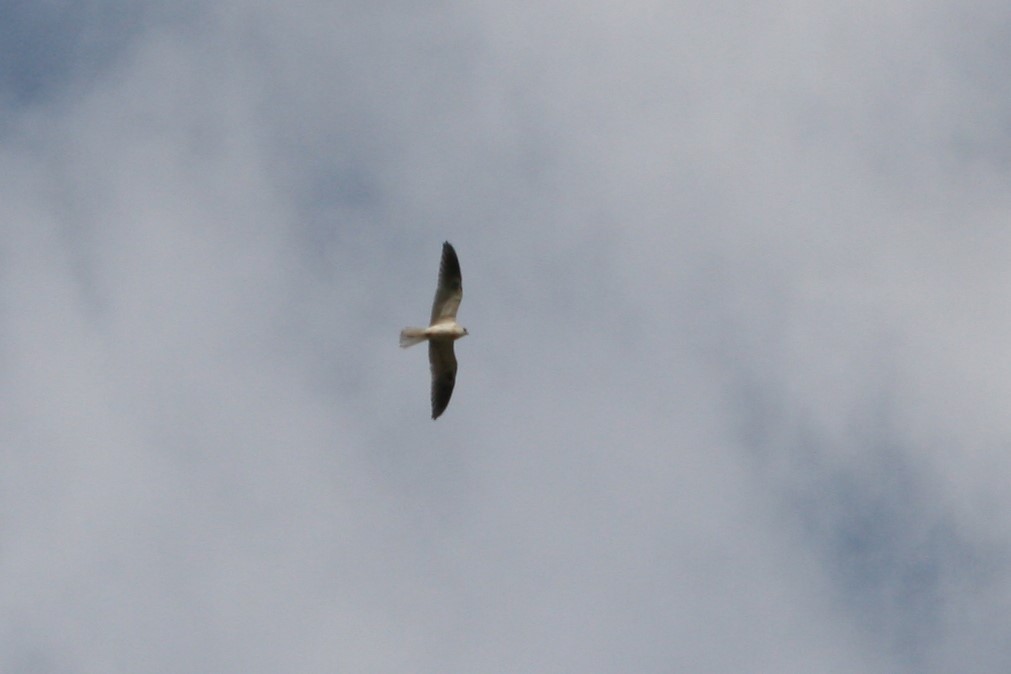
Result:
x=443 y=361
x=450 y=290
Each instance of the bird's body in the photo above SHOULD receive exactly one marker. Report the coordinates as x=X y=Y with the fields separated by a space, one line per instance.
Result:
x=442 y=331
x=451 y=330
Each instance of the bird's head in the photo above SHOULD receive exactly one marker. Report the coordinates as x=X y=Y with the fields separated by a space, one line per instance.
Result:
x=465 y=333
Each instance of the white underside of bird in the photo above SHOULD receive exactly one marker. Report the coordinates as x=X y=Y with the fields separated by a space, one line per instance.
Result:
x=440 y=331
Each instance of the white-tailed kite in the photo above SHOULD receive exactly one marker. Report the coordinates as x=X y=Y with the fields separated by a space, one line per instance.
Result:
x=442 y=331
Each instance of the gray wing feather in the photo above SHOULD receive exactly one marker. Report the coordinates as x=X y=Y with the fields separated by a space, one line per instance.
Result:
x=443 y=361
x=450 y=290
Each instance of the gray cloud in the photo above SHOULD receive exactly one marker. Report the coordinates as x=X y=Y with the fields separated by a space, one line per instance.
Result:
x=734 y=396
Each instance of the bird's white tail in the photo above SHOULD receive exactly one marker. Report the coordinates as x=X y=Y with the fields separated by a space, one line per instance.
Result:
x=411 y=336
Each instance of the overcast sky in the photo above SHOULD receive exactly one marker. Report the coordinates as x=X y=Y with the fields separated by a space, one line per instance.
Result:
x=736 y=392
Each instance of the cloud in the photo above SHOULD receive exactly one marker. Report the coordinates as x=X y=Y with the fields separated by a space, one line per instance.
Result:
x=734 y=396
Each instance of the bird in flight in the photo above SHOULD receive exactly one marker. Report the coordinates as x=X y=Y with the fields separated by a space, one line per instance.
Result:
x=442 y=331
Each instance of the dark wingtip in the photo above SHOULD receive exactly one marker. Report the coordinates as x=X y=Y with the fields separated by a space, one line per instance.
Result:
x=449 y=265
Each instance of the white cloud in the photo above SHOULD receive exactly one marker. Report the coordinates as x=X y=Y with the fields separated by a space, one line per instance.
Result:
x=734 y=396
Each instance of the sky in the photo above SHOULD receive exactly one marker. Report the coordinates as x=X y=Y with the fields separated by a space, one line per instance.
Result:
x=735 y=392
